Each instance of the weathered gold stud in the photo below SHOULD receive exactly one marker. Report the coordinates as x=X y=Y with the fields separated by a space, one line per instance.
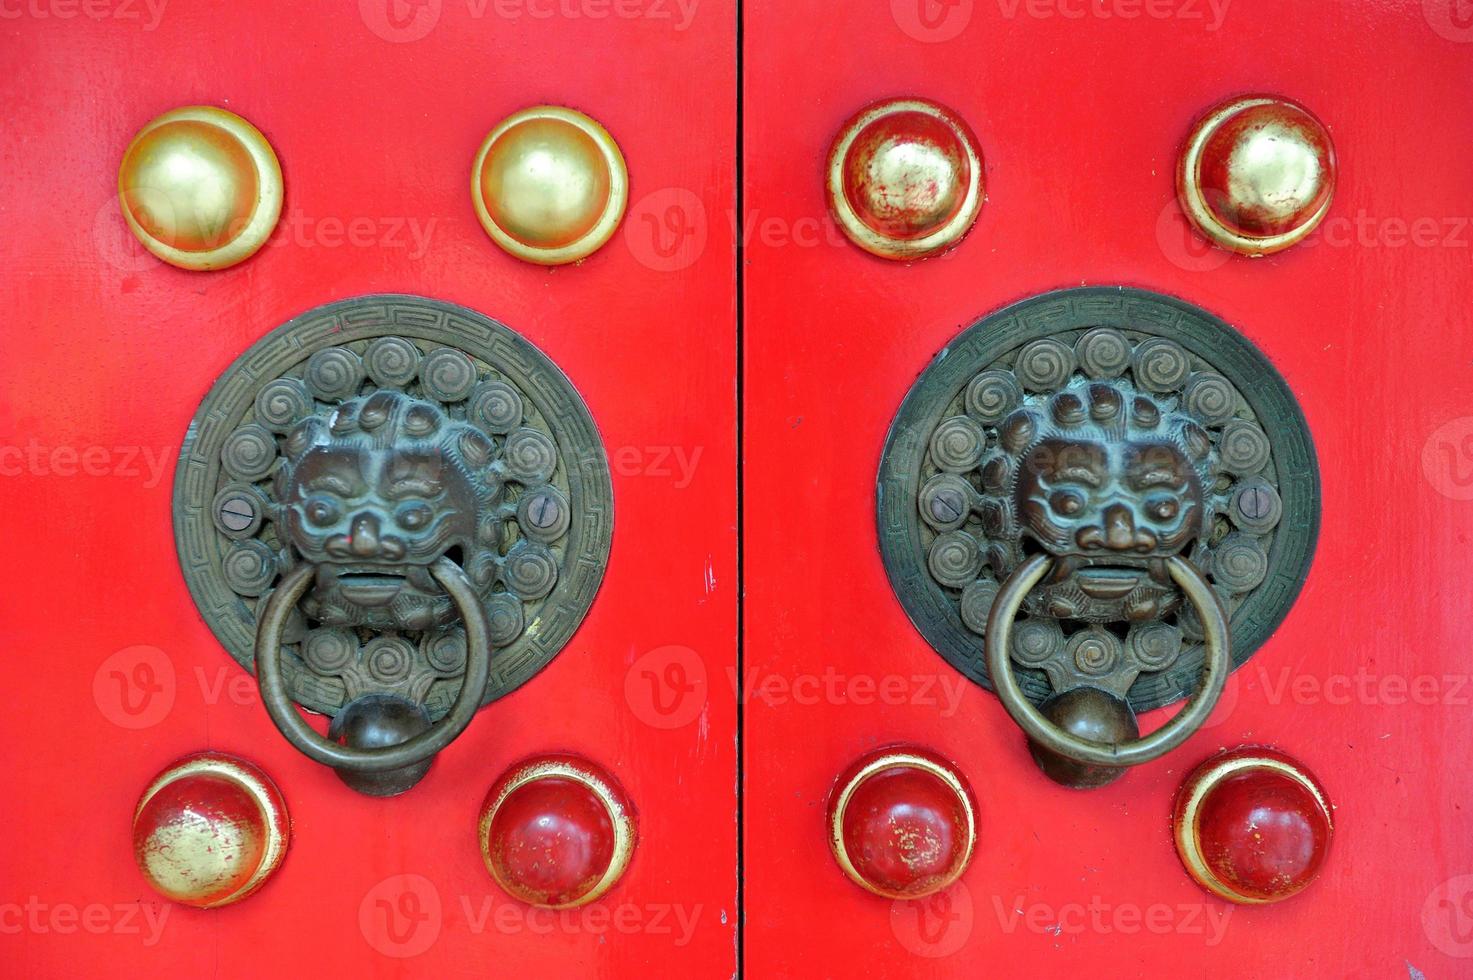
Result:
x=549 y=185
x=557 y=831
x=902 y=822
x=1257 y=174
x=905 y=179
x=209 y=830
x=200 y=187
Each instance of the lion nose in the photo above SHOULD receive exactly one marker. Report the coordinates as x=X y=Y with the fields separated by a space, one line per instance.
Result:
x=365 y=539
x=1116 y=531
x=363 y=536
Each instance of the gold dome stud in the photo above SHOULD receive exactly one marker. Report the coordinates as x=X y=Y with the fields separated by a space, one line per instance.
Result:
x=905 y=179
x=200 y=187
x=549 y=185
x=209 y=830
x=1257 y=174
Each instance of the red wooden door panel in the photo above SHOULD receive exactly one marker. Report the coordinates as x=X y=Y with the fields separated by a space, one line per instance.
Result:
x=375 y=110
x=1080 y=110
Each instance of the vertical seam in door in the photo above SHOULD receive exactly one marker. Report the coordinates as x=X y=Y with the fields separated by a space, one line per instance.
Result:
x=741 y=435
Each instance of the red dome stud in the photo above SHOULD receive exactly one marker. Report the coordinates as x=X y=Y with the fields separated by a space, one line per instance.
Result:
x=902 y=822
x=1257 y=174
x=210 y=830
x=1252 y=826
x=557 y=831
x=905 y=179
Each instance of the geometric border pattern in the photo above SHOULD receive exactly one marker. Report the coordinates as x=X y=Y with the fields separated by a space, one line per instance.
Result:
x=936 y=615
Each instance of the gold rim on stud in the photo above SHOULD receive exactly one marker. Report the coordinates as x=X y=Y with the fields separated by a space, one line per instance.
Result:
x=521 y=242
x=882 y=763
x=620 y=817
x=876 y=242
x=191 y=138
x=1187 y=847
x=1189 y=188
x=260 y=788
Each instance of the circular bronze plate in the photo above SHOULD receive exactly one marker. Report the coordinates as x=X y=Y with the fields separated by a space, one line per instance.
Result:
x=547 y=527
x=947 y=563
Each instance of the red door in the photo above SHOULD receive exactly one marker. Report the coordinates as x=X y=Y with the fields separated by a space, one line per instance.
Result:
x=375 y=112
x=1080 y=112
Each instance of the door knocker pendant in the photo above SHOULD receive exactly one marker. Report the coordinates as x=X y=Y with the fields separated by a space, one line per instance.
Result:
x=394 y=510
x=1129 y=476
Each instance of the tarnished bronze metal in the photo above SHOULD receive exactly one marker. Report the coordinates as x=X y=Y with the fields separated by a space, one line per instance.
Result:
x=905 y=179
x=549 y=185
x=200 y=187
x=1257 y=174
x=371 y=500
x=1128 y=472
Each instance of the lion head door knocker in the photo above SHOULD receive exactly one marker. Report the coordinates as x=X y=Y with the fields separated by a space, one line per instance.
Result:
x=395 y=510
x=1094 y=503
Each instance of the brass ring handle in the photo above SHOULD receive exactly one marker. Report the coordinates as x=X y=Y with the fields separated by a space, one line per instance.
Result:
x=1044 y=732
x=417 y=749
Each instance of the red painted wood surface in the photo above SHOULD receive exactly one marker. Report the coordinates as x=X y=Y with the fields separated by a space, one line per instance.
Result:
x=1079 y=109
x=107 y=352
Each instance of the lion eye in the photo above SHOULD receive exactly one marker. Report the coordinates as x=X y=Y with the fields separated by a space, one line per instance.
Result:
x=1163 y=508
x=413 y=517
x=322 y=511
x=1066 y=502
